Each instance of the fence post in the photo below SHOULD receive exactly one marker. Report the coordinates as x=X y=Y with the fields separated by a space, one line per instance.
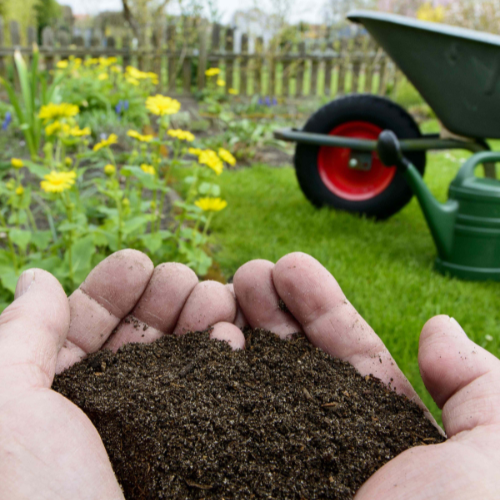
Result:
x=172 y=70
x=300 y=69
x=48 y=44
x=328 y=67
x=64 y=41
x=214 y=61
x=244 y=65
x=95 y=41
x=157 y=42
x=382 y=75
x=202 y=60
x=229 y=54
x=272 y=70
x=259 y=62
x=314 y=71
x=356 y=63
x=126 y=59
x=15 y=38
x=343 y=62
x=286 y=69
x=370 y=54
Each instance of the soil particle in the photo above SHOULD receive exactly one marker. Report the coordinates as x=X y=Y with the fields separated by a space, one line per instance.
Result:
x=187 y=418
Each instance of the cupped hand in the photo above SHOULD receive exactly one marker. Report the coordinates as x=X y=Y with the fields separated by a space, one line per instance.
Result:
x=49 y=448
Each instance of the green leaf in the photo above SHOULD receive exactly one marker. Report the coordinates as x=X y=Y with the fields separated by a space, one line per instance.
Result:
x=135 y=223
x=82 y=252
x=36 y=169
x=9 y=280
x=66 y=226
x=209 y=188
x=20 y=237
x=152 y=241
x=41 y=239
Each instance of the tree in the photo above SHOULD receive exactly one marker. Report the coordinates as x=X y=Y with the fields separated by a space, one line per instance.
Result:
x=47 y=12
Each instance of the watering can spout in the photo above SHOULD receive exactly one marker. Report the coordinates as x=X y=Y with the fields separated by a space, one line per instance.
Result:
x=440 y=216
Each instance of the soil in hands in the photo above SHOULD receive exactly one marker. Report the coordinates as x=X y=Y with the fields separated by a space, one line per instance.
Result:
x=188 y=418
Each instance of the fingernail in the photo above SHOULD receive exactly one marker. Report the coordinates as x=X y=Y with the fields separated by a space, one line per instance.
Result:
x=453 y=320
x=24 y=283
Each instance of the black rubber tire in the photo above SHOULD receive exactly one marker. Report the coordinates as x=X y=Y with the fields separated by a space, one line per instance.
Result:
x=369 y=108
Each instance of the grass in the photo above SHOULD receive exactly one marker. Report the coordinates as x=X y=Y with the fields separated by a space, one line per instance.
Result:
x=384 y=268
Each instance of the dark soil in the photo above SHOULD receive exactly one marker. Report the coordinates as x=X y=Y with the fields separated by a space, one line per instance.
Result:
x=189 y=418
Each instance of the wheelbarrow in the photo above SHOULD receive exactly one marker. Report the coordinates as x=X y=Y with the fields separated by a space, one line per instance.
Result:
x=457 y=72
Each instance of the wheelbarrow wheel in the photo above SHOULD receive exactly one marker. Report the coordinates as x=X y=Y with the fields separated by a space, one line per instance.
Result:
x=324 y=173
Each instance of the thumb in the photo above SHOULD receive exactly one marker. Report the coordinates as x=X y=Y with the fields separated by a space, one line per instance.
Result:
x=32 y=330
x=462 y=377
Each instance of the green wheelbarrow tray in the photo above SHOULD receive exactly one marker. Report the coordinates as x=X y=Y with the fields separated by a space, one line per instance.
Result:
x=456 y=70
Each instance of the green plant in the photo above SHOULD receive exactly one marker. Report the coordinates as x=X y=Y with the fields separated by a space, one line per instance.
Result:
x=35 y=92
x=89 y=204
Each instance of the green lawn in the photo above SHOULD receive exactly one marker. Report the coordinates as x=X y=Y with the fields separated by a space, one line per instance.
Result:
x=384 y=268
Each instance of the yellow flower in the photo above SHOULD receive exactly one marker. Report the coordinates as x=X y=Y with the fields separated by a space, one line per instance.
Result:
x=53 y=128
x=140 y=137
x=109 y=169
x=76 y=131
x=57 y=182
x=182 y=135
x=91 y=61
x=112 y=139
x=17 y=163
x=212 y=71
x=162 y=105
x=103 y=76
x=126 y=202
x=132 y=81
x=211 y=160
x=427 y=12
x=53 y=111
x=233 y=91
x=116 y=69
x=221 y=83
x=195 y=151
x=211 y=204
x=149 y=169
x=62 y=64
x=107 y=61
x=19 y=190
x=226 y=156
x=68 y=161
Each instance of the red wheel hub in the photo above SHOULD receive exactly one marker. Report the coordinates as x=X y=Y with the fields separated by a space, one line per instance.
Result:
x=346 y=182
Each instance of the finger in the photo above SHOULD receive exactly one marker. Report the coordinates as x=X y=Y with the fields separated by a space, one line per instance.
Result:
x=229 y=333
x=33 y=329
x=462 y=377
x=240 y=321
x=108 y=294
x=159 y=308
x=209 y=303
x=331 y=323
x=259 y=301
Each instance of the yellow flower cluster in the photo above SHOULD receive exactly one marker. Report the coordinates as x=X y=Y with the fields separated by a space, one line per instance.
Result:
x=149 y=169
x=195 y=151
x=212 y=72
x=211 y=160
x=102 y=76
x=53 y=111
x=65 y=129
x=162 y=105
x=17 y=163
x=112 y=139
x=62 y=64
x=220 y=82
x=140 y=137
x=182 y=135
x=233 y=91
x=427 y=12
x=211 y=204
x=133 y=75
x=109 y=169
x=57 y=182
x=226 y=156
x=19 y=190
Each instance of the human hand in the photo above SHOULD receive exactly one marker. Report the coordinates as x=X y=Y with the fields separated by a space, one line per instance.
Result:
x=462 y=378
x=49 y=449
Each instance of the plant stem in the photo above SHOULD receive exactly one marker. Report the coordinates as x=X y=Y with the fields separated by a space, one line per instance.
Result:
x=69 y=212
x=9 y=242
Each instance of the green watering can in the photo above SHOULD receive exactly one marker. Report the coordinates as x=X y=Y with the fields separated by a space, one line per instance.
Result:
x=466 y=229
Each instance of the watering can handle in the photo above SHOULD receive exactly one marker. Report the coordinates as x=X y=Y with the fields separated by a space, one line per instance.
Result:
x=389 y=151
x=467 y=169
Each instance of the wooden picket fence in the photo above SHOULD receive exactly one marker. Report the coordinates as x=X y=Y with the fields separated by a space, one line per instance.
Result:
x=181 y=53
